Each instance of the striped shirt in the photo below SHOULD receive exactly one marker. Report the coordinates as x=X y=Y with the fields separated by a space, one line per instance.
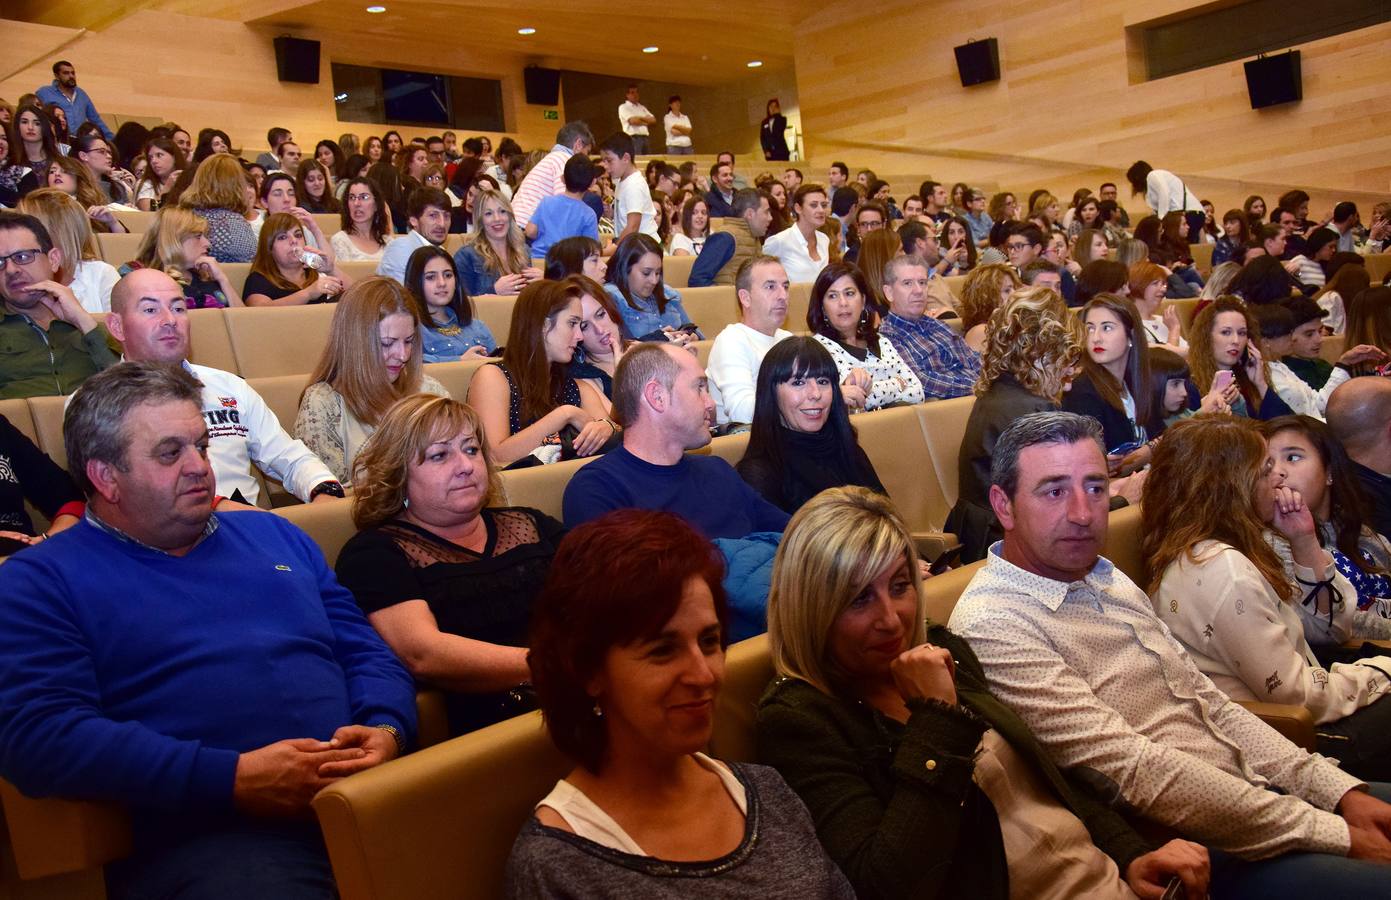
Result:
x=546 y=179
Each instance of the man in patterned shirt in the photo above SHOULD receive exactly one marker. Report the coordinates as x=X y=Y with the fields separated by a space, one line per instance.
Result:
x=1074 y=646
x=936 y=353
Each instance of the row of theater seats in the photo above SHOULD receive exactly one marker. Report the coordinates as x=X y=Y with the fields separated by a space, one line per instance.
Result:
x=439 y=823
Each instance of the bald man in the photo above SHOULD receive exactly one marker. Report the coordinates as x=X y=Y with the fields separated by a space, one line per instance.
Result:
x=149 y=316
x=1359 y=413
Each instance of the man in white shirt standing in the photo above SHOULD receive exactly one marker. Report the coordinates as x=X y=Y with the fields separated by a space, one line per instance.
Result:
x=1165 y=192
x=633 y=209
x=150 y=319
x=762 y=288
x=678 y=128
x=1074 y=647
x=634 y=117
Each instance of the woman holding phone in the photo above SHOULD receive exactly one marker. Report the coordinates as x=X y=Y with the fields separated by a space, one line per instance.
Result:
x=1223 y=353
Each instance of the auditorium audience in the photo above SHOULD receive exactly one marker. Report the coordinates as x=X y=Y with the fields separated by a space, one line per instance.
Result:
x=219 y=194
x=1223 y=352
x=1276 y=323
x=546 y=178
x=1224 y=591
x=802 y=441
x=372 y=359
x=565 y=214
x=602 y=344
x=1149 y=285
x=804 y=249
x=35 y=479
x=1171 y=384
x=283 y=272
x=36 y=144
x=695 y=227
x=1369 y=319
x=428 y=216
x=1359 y=415
x=1236 y=234
x=82 y=269
x=532 y=410
x=1090 y=246
x=945 y=365
x=175 y=710
x=870 y=372
x=364 y=228
x=761 y=290
x=444 y=573
x=983 y=291
x=494 y=258
x=923 y=784
x=662 y=403
x=734 y=239
x=1102 y=276
x=70 y=176
x=314 y=188
x=1113 y=383
x=651 y=310
x=1074 y=647
x=1338 y=291
x=876 y=249
x=449 y=330
x=164 y=163
x=52 y=344
x=633 y=619
x=17 y=177
x=575 y=256
x=1254 y=208
x=97 y=155
x=177 y=244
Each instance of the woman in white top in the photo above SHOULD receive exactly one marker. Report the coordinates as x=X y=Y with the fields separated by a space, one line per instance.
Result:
x=678 y=128
x=804 y=249
x=1211 y=495
x=695 y=228
x=627 y=658
x=164 y=164
x=82 y=269
x=1338 y=291
x=1149 y=285
x=365 y=222
x=872 y=374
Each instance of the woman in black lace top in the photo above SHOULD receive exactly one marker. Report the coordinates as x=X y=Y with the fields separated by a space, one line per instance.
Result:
x=447 y=579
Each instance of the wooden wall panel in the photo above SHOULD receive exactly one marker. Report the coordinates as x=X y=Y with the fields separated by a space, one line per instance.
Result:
x=878 y=88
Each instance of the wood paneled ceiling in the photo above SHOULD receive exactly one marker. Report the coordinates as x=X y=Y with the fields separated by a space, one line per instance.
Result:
x=701 y=41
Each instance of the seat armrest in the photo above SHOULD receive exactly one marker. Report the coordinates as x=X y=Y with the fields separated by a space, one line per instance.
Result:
x=51 y=836
x=932 y=544
x=433 y=719
x=1358 y=643
x=1294 y=722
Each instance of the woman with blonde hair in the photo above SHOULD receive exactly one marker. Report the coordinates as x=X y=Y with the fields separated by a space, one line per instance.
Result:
x=445 y=573
x=282 y=274
x=868 y=690
x=985 y=289
x=373 y=359
x=1224 y=351
x=1046 y=211
x=1032 y=349
x=1214 y=511
x=177 y=244
x=218 y=193
x=876 y=249
x=1219 y=280
x=494 y=258
x=82 y=268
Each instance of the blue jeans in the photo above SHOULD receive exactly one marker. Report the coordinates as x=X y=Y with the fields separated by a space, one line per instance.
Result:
x=680 y=151
x=639 y=144
x=281 y=861
x=1302 y=876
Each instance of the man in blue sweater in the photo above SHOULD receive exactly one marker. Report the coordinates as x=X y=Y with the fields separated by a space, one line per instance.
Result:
x=204 y=671
x=662 y=400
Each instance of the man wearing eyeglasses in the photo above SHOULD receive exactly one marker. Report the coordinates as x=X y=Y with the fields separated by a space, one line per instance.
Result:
x=48 y=343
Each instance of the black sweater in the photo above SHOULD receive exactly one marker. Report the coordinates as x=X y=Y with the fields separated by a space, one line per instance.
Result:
x=26 y=473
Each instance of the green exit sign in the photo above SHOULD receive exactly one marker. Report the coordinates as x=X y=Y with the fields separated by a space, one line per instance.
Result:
x=551 y=115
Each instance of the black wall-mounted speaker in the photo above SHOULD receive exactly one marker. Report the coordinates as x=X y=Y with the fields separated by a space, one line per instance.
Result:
x=1272 y=80
x=542 y=85
x=297 y=59
x=978 y=62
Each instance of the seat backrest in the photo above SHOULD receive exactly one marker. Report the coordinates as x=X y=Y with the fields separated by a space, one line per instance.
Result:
x=748 y=667
x=237 y=274
x=702 y=349
x=798 y=300
x=329 y=524
x=730 y=447
x=119 y=249
x=453 y=242
x=278 y=341
x=47 y=414
x=208 y=343
x=358 y=269
x=1202 y=257
x=1123 y=543
x=941 y=592
x=281 y=393
x=676 y=271
x=495 y=312
x=1332 y=348
x=894 y=441
x=944 y=426
x=1378 y=266
x=453 y=810
x=712 y=308
x=1187 y=308
x=955 y=283
x=542 y=487
x=328 y=222
x=455 y=376
x=135 y=220
x=51 y=836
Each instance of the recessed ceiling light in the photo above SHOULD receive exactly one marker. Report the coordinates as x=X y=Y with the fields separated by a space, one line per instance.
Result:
x=650 y=49
x=526 y=31
x=376 y=9
x=754 y=63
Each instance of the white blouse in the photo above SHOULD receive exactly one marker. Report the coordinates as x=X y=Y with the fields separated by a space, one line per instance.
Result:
x=791 y=249
x=344 y=250
x=1252 y=643
x=92 y=281
x=894 y=381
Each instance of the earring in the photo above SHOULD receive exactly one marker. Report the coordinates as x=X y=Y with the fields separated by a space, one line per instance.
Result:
x=598 y=710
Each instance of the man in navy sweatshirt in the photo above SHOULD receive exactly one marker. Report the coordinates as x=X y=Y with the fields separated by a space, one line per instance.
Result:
x=205 y=671
x=662 y=400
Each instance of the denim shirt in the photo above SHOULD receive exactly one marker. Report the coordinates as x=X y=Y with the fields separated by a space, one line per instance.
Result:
x=645 y=319
x=440 y=346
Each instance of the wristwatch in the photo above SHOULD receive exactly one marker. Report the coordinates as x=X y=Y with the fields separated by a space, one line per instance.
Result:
x=332 y=488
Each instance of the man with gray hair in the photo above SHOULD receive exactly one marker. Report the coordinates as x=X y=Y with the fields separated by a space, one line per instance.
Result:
x=1359 y=413
x=547 y=177
x=939 y=356
x=1074 y=647
x=761 y=288
x=204 y=671
x=662 y=400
